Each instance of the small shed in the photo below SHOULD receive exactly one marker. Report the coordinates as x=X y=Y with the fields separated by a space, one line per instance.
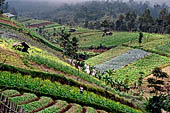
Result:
x=9 y=15
x=72 y=30
x=21 y=46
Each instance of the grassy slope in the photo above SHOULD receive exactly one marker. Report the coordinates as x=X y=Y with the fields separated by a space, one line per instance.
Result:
x=159 y=44
x=153 y=42
x=108 y=41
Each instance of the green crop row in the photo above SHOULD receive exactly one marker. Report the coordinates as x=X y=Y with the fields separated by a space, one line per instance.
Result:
x=44 y=101
x=23 y=98
x=64 y=80
x=62 y=91
x=56 y=108
x=8 y=93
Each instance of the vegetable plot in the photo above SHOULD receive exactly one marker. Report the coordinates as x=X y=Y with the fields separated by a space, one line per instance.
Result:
x=122 y=60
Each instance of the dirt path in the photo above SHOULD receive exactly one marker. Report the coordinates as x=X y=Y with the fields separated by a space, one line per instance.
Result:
x=9 y=23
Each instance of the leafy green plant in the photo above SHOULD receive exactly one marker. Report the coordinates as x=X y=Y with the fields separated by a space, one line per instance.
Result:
x=55 y=108
x=8 y=93
x=61 y=91
x=36 y=104
x=23 y=98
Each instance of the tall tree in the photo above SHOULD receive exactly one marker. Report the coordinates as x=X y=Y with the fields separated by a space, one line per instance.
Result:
x=146 y=21
x=68 y=44
x=2 y=6
x=163 y=19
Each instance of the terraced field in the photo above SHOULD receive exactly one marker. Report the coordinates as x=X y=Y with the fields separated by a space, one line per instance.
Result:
x=108 y=55
x=122 y=60
x=45 y=83
x=32 y=103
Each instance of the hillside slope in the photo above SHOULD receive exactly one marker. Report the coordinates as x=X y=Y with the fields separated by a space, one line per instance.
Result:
x=46 y=76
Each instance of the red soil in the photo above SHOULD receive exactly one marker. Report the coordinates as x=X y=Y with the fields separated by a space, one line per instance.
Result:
x=9 y=23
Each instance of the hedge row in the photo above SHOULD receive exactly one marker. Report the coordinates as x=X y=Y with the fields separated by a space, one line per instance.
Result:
x=63 y=92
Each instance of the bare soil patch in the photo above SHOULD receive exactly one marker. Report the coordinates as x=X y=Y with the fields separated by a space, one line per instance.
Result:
x=9 y=23
x=166 y=82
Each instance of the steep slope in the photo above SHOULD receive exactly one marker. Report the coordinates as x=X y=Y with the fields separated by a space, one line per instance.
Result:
x=60 y=79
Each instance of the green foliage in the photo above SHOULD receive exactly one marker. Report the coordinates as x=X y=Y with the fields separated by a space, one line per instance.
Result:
x=23 y=98
x=155 y=43
x=64 y=67
x=8 y=93
x=64 y=80
x=68 y=44
x=158 y=103
x=36 y=104
x=118 y=38
x=1 y=6
x=56 y=108
x=62 y=91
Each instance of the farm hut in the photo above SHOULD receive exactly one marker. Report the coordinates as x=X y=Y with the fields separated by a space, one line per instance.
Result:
x=9 y=15
x=22 y=46
x=72 y=30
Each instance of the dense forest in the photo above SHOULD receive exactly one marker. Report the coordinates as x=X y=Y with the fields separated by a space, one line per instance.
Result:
x=104 y=14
